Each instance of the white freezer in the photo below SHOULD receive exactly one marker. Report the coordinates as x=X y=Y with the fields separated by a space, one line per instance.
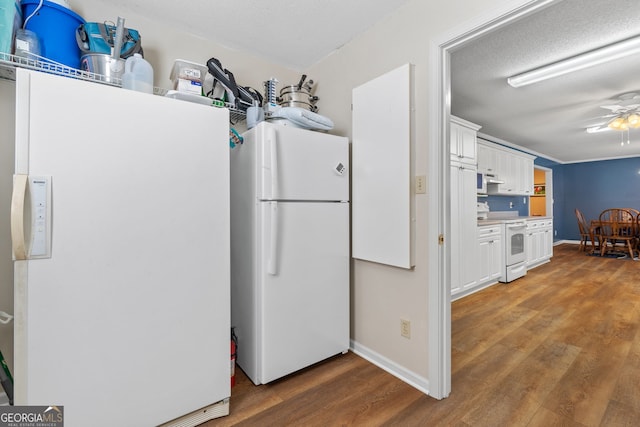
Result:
x=297 y=164
x=289 y=250
x=127 y=322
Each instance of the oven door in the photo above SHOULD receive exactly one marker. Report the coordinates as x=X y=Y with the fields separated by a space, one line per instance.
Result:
x=514 y=242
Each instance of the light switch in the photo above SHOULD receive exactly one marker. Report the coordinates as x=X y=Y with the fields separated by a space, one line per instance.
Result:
x=421 y=184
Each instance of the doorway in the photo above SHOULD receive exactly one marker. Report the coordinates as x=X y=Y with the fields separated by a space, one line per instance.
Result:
x=440 y=112
x=541 y=202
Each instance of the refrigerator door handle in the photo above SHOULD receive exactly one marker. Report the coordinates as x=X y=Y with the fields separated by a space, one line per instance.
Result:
x=17 y=216
x=273 y=146
x=272 y=266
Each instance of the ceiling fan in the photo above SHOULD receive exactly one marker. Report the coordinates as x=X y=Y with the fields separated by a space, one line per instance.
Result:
x=625 y=114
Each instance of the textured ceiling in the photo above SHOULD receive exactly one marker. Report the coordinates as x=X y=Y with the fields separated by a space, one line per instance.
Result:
x=293 y=33
x=550 y=117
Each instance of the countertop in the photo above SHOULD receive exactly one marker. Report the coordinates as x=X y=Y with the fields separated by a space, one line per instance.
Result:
x=494 y=221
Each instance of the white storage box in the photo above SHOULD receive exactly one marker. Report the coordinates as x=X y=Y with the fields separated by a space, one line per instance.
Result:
x=188 y=76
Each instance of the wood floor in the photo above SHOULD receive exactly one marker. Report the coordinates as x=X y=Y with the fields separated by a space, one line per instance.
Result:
x=559 y=347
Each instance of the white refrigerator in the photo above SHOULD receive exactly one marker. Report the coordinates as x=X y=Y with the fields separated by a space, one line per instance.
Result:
x=120 y=230
x=289 y=249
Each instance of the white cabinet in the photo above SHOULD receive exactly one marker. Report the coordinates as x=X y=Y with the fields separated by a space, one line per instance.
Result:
x=463 y=141
x=513 y=167
x=463 y=227
x=523 y=175
x=490 y=253
x=463 y=175
x=487 y=159
x=539 y=241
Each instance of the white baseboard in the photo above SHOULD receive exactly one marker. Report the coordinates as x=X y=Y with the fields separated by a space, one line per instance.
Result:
x=391 y=367
x=559 y=242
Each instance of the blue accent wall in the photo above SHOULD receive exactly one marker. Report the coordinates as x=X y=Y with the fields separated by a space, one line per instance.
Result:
x=593 y=187
x=589 y=186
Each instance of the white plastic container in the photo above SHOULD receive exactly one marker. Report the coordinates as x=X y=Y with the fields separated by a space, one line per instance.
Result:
x=138 y=74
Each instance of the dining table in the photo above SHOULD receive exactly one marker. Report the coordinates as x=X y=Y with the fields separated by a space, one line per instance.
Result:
x=605 y=232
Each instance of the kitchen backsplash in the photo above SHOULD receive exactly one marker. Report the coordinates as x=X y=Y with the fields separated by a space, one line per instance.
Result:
x=508 y=203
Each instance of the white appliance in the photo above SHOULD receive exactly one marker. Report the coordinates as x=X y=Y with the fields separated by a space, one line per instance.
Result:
x=515 y=255
x=122 y=311
x=483 y=210
x=289 y=249
x=484 y=179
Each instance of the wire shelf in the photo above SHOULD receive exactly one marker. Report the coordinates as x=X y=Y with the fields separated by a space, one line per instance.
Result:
x=9 y=63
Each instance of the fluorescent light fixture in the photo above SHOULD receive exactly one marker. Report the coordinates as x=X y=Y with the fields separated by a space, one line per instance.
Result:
x=588 y=59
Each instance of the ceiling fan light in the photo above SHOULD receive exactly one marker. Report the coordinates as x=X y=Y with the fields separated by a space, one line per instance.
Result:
x=617 y=123
x=633 y=120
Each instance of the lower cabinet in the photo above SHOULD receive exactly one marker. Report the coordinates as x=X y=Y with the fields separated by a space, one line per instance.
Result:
x=477 y=264
x=491 y=254
x=484 y=264
x=539 y=241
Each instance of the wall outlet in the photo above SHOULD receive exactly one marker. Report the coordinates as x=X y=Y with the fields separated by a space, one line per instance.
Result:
x=405 y=328
x=421 y=184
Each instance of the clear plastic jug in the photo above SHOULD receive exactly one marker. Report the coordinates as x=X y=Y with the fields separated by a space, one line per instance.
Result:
x=138 y=74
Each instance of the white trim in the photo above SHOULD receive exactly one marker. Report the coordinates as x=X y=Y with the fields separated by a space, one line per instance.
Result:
x=548 y=181
x=398 y=371
x=600 y=159
x=438 y=258
x=572 y=242
x=489 y=138
x=439 y=108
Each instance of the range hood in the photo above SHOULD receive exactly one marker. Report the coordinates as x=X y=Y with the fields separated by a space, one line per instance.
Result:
x=492 y=179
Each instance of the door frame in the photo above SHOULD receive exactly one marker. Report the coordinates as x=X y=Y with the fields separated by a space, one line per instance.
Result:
x=548 y=183
x=439 y=227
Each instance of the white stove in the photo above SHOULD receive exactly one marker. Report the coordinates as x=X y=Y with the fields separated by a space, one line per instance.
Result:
x=514 y=232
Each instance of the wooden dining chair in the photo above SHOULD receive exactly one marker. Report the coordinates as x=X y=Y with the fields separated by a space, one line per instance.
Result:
x=586 y=236
x=617 y=231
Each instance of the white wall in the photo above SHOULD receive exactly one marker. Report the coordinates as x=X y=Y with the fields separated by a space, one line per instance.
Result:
x=162 y=46
x=382 y=295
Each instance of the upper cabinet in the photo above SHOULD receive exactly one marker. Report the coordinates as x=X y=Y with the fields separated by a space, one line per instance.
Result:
x=514 y=168
x=463 y=141
x=487 y=159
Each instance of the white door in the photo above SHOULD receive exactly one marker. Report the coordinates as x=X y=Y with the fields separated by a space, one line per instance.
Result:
x=298 y=164
x=127 y=323
x=304 y=285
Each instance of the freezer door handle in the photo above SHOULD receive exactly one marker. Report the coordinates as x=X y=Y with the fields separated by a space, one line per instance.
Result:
x=273 y=147
x=17 y=216
x=31 y=202
x=272 y=265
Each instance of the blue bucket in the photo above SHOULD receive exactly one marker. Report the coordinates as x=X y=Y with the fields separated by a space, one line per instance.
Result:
x=55 y=26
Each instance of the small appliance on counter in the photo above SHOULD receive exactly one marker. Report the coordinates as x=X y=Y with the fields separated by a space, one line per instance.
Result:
x=483 y=210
